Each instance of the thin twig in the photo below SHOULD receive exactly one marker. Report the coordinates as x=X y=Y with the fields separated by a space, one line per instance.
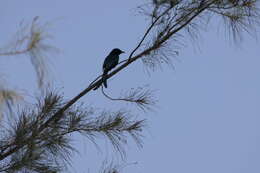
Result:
x=148 y=31
x=18 y=52
x=116 y=99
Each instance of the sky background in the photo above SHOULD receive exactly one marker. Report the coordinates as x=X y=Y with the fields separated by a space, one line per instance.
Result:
x=207 y=118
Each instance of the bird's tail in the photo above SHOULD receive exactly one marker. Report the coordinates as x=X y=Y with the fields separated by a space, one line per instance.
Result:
x=104 y=79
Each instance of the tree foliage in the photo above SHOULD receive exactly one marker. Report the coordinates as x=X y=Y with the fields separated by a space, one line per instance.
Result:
x=37 y=138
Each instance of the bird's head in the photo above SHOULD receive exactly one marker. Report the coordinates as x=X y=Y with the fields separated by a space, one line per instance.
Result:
x=117 y=51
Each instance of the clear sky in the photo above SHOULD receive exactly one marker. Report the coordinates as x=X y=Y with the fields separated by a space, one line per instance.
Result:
x=207 y=119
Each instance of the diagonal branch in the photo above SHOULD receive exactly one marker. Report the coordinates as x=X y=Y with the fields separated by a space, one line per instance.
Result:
x=148 y=31
x=57 y=116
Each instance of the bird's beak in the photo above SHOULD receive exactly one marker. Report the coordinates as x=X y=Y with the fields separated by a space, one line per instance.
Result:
x=122 y=52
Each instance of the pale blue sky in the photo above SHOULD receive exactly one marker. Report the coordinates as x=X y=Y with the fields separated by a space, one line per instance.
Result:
x=207 y=120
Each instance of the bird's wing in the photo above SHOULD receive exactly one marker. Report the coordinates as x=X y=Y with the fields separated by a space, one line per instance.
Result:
x=106 y=63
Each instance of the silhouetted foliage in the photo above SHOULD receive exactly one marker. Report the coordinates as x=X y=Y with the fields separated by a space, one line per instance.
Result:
x=27 y=146
x=37 y=138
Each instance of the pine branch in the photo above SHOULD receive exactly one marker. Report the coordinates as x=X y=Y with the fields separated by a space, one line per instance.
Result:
x=30 y=40
x=51 y=148
x=142 y=97
x=188 y=12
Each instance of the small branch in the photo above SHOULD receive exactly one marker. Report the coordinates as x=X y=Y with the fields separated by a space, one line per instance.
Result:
x=116 y=99
x=18 y=52
x=144 y=99
x=33 y=40
x=148 y=31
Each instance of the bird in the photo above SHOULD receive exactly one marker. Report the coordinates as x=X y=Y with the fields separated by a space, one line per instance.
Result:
x=110 y=62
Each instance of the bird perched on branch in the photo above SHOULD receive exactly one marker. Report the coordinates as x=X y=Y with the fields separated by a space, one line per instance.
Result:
x=110 y=62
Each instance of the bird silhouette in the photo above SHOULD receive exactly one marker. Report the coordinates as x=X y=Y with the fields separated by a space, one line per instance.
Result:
x=110 y=62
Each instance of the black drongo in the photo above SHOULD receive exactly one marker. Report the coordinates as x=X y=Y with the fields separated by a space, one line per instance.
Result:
x=110 y=62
